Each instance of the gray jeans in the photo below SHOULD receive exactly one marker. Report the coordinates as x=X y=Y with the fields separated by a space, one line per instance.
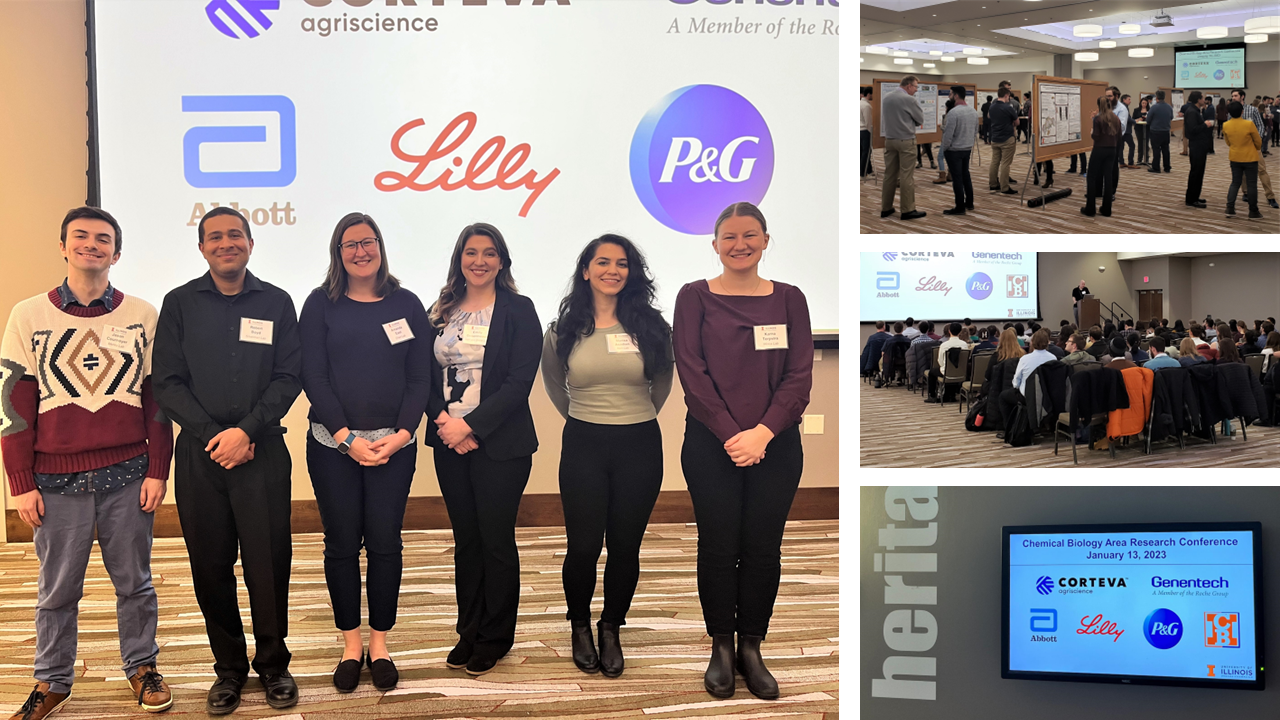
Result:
x=63 y=543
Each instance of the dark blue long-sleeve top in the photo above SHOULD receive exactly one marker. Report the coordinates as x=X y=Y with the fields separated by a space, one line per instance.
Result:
x=353 y=375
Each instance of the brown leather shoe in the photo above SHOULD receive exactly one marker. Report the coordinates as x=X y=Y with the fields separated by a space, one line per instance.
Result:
x=41 y=703
x=150 y=689
x=943 y=177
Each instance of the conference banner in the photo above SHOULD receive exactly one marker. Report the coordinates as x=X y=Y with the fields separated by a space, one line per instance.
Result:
x=987 y=286
x=555 y=120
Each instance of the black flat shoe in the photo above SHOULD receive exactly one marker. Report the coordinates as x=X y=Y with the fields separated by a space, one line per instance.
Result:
x=459 y=655
x=384 y=673
x=953 y=211
x=719 y=678
x=282 y=691
x=611 y=660
x=478 y=666
x=887 y=213
x=760 y=681
x=584 y=646
x=224 y=696
x=346 y=677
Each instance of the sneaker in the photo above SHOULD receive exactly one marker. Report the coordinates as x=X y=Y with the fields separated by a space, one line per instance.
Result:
x=150 y=689
x=1255 y=214
x=1230 y=211
x=460 y=655
x=41 y=703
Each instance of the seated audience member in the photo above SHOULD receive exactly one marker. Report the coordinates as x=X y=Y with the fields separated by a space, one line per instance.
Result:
x=1039 y=355
x=931 y=332
x=1021 y=331
x=1127 y=329
x=1008 y=347
x=1136 y=353
x=1095 y=346
x=1108 y=329
x=1075 y=351
x=972 y=332
x=1207 y=351
x=910 y=330
x=1189 y=353
x=1237 y=332
x=1248 y=345
x=1119 y=351
x=1271 y=351
x=923 y=335
x=936 y=373
x=1158 y=357
x=990 y=338
x=1057 y=352
x=875 y=345
x=1210 y=329
x=1227 y=352
x=1268 y=327
x=1178 y=327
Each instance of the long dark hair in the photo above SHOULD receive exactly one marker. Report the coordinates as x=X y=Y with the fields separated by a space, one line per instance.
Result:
x=335 y=282
x=455 y=287
x=636 y=310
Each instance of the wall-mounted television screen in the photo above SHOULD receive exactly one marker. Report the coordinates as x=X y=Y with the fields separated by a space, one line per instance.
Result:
x=1156 y=604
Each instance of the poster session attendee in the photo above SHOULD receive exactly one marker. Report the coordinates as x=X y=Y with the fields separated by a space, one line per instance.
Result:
x=1003 y=144
x=1201 y=139
x=1243 y=145
x=1106 y=137
x=486 y=353
x=900 y=115
x=864 y=130
x=1140 y=129
x=957 y=145
x=227 y=366
x=1250 y=113
x=607 y=367
x=1159 y=118
x=87 y=453
x=744 y=350
x=366 y=345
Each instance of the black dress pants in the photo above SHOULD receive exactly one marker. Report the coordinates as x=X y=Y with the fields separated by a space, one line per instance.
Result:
x=865 y=167
x=610 y=476
x=362 y=506
x=1128 y=140
x=961 y=182
x=1115 y=165
x=1144 y=145
x=927 y=149
x=1160 y=149
x=1101 y=178
x=1084 y=163
x=483 y=496
x=245 y=511
x=1195 y=179
x=741 y=514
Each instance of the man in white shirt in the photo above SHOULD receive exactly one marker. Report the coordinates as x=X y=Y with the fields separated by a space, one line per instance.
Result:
x=911 y=330
x=953 y=340
x=1122 y=112
x=864 y=126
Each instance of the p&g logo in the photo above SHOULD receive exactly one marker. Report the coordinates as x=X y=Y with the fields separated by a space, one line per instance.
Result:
x=698 y=150
x=978 y=286
x=235 y=11
x=197 y=136
x=1163 y=629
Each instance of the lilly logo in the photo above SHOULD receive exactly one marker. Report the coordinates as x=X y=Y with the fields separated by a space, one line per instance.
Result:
x=978 y=286
x=1044 y=585
x=1163 y=629
x=698 y=150
x=235 y=11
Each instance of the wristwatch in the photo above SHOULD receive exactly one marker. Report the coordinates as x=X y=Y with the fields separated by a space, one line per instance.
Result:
x=344 y=447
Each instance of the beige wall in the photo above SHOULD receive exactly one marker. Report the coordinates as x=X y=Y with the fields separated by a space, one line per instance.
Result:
x=44 y=160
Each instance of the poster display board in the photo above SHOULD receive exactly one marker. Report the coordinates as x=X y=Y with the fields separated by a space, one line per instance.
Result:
x=1176 y=97
x=926 y=95
x=1063 y=108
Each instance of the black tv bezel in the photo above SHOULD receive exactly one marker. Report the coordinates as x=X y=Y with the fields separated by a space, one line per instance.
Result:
x=1039 y=315
x=1259 y=683
x=1244 y=80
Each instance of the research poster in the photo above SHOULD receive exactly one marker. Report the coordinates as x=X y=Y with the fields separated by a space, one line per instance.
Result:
x=1172 y=604
x=944 y=94
x=1178 y=102
x=1059 y=114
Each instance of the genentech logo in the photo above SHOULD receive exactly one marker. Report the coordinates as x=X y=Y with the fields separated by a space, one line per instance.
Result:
x=697 y=151
x=476 y=175
x=1163 y=629
x=240 y=13
x=1222 y=629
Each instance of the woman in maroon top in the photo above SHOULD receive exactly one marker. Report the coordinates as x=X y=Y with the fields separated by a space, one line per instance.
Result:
x=744 y=355
x=1106 y=138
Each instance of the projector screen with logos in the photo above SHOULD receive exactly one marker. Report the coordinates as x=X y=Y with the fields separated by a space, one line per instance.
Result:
x=1160 y=604
x=1220 y=67
x=987 y=286
x=555 y=120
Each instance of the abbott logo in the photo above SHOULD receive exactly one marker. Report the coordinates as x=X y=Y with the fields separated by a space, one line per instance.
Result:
x=698 y=150
x=1044 y=620
x=197 y=136
x=886 y=280
x=235 y=11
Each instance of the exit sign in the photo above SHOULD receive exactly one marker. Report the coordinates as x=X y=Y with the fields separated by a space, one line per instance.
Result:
x=1146 y=278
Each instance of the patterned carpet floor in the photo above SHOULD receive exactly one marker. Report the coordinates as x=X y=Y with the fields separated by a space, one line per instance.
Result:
x=665 y=641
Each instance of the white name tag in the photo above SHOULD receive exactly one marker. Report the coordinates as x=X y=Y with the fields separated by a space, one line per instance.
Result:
x=771 y=337
x=475 y=334
x=117 y=338
x=621 y=343
x=256 y=331
x=397 y=331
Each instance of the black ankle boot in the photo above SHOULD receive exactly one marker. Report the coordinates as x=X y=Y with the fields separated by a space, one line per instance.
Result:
x=584 y=647
x=759 y=680
x=611 y=662
x=719 y=679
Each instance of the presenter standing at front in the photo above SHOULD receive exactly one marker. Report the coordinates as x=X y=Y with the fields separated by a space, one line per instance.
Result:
x=1077 y=294
x=226 y=369
x=744 y=351
x=485 y=358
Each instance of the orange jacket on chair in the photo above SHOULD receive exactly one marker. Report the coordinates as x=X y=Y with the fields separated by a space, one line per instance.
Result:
x=1131 y=420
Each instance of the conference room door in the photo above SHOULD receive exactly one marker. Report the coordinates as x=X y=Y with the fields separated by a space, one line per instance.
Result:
x=1150 y=304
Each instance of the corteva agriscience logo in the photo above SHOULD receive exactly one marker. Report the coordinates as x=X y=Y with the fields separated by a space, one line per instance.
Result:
x=249 y=17
x=698 y=150
x=1045 y=585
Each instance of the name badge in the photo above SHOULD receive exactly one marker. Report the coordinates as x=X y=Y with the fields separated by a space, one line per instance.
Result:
x=117 y=338
x=397 y=331
x=771 y=337
x=621 y=343
x=256 y=331
x=475 y=334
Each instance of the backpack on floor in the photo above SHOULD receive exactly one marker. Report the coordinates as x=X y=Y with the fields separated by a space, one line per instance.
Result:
x=975 y=420
x=1020 y=431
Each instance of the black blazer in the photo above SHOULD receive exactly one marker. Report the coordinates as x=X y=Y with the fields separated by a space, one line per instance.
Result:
x=502 y=421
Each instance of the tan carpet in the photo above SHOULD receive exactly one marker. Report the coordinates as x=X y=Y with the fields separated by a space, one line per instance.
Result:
x=1146 y=202
x=665 y=640
x=900 y=430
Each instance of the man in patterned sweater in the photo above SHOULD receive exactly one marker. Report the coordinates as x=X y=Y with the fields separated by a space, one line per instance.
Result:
x=86 y=448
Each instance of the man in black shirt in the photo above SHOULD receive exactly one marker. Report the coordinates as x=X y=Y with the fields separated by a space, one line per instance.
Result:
x=226 y=368
x=1076 y=295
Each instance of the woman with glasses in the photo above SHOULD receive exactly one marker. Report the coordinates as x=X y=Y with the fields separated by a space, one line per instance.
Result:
x=744 y=351
x=487 y=345
x=607 y=367
x=365 y=368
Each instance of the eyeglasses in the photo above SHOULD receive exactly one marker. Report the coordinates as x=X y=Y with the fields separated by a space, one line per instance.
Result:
x=367 y=244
